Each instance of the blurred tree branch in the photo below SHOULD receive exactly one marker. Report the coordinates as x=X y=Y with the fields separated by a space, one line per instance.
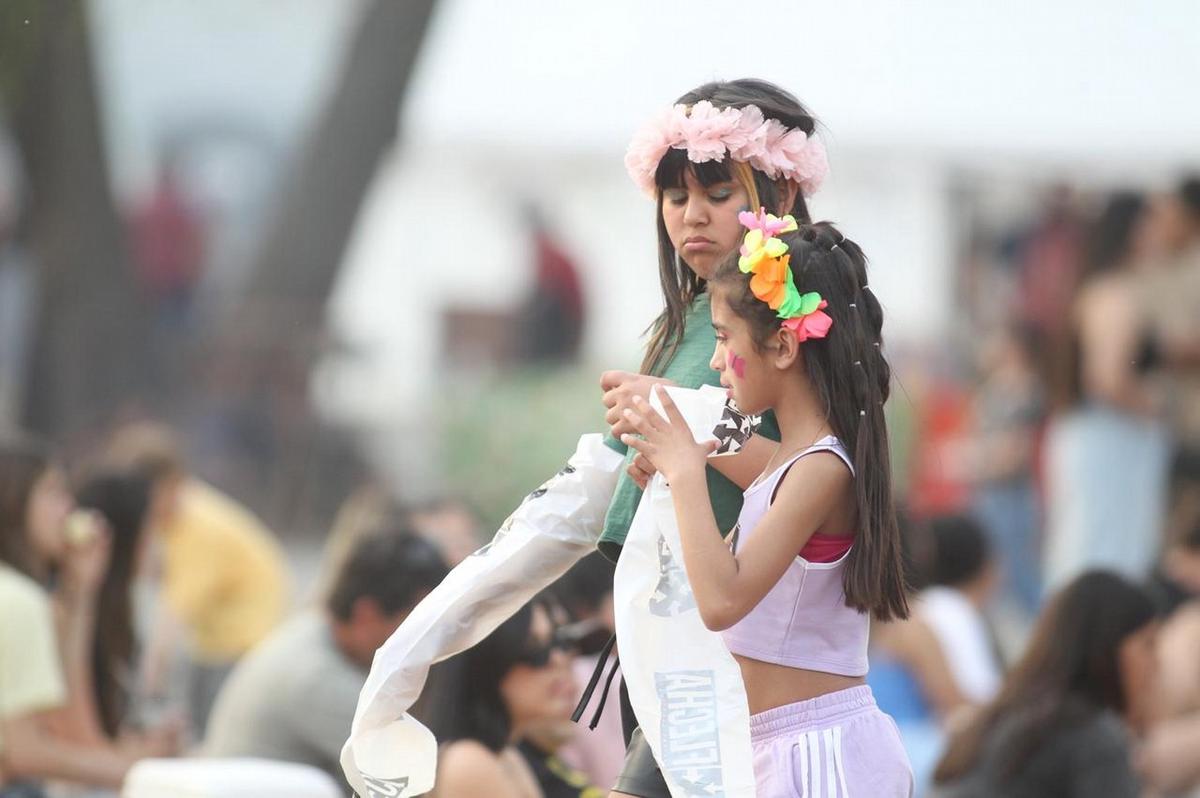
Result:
x=302 y=250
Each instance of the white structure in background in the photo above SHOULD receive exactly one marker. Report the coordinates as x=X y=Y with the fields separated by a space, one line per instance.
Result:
x=536 y=100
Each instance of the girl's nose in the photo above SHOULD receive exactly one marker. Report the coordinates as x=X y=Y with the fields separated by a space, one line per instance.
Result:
x=696 y=212
x=717 y=362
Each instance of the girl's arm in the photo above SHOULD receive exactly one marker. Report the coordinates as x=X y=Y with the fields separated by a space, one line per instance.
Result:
x=726 y=586
x=75 y=614
x=917 y=647
x=744 y=467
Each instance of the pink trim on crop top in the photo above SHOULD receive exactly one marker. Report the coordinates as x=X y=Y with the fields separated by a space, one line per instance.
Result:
x=803 y=621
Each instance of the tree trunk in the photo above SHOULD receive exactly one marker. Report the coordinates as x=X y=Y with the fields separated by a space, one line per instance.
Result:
x=90 y=338
x=275 y=329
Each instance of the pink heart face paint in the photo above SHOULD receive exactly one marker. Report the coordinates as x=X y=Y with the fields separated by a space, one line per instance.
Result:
x=737 y=364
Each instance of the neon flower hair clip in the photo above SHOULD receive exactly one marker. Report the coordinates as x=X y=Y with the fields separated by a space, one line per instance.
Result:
x=766 y=257
x=744 y=134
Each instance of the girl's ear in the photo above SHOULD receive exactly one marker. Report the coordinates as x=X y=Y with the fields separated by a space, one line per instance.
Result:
x=787 y=349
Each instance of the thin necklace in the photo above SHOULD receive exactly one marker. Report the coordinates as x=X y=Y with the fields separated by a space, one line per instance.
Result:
x=770 y=462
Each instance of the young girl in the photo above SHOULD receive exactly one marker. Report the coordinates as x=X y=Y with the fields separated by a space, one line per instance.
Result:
x=816 y=550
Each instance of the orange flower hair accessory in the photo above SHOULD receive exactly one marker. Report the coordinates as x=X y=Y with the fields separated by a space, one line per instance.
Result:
x=766 y=258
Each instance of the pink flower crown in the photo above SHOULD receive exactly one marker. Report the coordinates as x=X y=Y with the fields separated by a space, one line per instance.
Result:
x=709 y=133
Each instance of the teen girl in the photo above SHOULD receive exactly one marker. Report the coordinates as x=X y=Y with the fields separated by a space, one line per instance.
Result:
x=816 y=550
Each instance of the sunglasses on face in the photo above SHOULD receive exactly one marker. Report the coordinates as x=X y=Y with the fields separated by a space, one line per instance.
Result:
x=537 y=655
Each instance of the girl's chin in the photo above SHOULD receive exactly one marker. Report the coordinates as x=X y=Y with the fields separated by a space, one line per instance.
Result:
x=702 y=264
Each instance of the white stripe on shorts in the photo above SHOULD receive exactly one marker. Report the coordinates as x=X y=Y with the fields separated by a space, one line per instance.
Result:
x=814 y=755
x=803 y=751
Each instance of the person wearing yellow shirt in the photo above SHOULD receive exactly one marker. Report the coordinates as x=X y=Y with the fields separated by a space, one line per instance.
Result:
x=225 y=578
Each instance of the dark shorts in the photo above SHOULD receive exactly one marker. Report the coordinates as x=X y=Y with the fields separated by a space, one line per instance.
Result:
x=640 y=775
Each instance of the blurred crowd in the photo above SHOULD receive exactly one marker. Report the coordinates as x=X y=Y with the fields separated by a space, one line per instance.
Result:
x=1052 y=532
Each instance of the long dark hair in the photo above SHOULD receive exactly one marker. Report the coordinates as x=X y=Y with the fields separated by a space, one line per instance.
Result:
x=465 y=702
x=124 y=501
x=1069 y=673
x=852 y=379
x=680 y=285
x=23 y=461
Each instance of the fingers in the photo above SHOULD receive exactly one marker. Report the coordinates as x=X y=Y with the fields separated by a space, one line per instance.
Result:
x=642 y=463
x=644 y=420
x=621 y=427
x=611 y=398
x=673 y=414
x=641 y=445
x=612 y=379
x=638 y=476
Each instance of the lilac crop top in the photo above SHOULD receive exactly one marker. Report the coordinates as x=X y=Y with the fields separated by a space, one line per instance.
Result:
x=803 y=621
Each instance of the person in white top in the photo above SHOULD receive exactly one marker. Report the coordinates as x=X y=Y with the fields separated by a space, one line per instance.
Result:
x=965 y=577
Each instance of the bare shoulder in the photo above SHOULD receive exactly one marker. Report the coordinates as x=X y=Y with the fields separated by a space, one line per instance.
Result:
x=468 y=768
x=820 y=468
x=815 y=481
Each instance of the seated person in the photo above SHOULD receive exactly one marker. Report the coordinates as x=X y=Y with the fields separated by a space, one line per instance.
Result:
x=293 y=697
x=501 y=711
x=48 y=725
x=964 y=578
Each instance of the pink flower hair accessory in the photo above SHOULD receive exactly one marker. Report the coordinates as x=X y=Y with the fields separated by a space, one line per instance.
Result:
x=709 y=133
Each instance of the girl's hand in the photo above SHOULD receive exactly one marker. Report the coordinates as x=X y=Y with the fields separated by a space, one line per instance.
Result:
x=641 y=470
x=620 y=388
x=85 y=562
x=667 y=443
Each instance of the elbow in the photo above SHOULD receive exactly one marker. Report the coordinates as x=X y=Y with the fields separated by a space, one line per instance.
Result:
x=720 y=617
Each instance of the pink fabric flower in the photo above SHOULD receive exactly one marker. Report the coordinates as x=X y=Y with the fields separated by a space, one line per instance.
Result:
x=747 y=139
x=811 y=325
x=709 y=133
x=647 y=149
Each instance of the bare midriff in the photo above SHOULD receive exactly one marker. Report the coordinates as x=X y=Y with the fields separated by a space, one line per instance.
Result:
x=769 y=685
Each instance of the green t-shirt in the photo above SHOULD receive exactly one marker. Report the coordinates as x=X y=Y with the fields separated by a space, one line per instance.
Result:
x=689 y=369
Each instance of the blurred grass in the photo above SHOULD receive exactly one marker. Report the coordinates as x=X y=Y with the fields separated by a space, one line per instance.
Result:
x=503 y=436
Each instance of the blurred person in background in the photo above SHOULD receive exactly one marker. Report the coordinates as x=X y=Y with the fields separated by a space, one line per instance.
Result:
x=1168 y=760
x=49 y=727
x=909 y=674
x=367 y=509
x=586 y=591
x=1106 y=455
x=225 y=577
x=1172 y=347
x=124 y=501
x=963 y=582
x=499 y=710
x=293 y=696
x=449 y=523
x=1001 y=459
x=1064 y=721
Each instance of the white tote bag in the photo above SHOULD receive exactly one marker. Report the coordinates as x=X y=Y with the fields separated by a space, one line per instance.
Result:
x=684 y=685
x=389 y=753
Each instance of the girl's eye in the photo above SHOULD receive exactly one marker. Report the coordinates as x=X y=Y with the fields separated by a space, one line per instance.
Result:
x=676 y=197
x=720 y=195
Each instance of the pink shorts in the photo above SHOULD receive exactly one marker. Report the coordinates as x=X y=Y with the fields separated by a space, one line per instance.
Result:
x=838 y=745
